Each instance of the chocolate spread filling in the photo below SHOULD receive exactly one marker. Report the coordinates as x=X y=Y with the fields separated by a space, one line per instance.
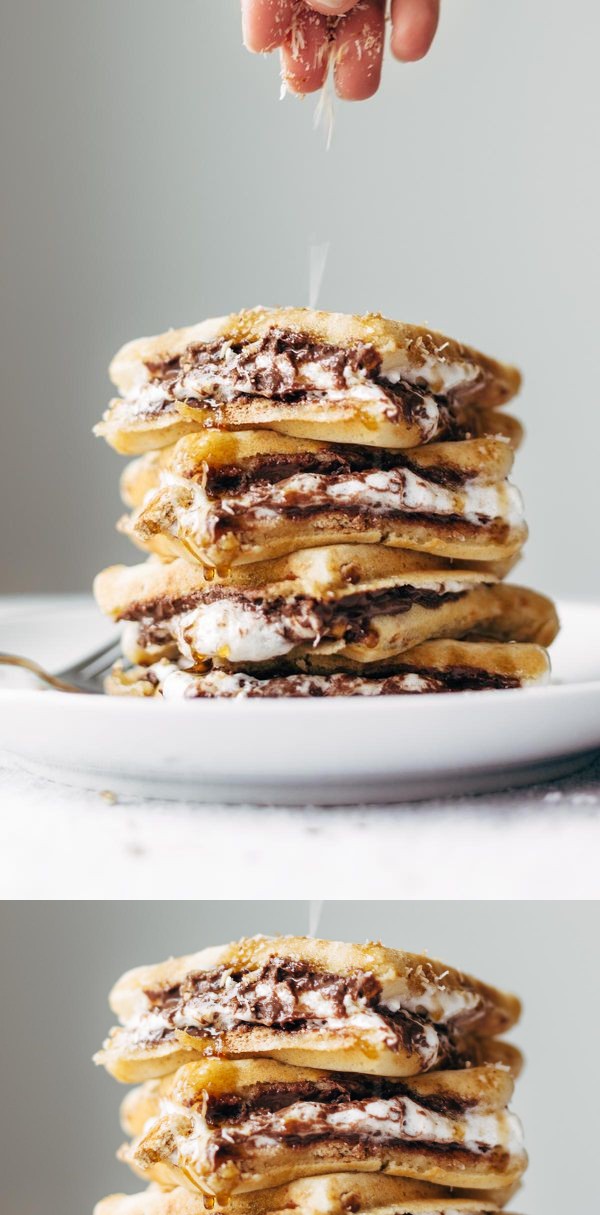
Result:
x=331 y=1090
x=357 y=1146
x=333 y=460
x=238 y=1120
x=348 y=617
x=458 y=679
x=364 y=496
x=157 y=409
x=272 y=368
x=166 y=372
x=271 y=995
x=268 y=994
x=302 y=506
x=151 y=634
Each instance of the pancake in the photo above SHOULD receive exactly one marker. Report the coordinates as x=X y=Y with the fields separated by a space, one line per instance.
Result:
x=152 y=421
x=142 y=1103
x=360 y=604
x=328 y=602
x=346 y=379
x=227 y=499
x=318 y=1003
x=330 y=1194
x=225 y=1128
x=434 y=667
x=524 y=616
x=229 y=462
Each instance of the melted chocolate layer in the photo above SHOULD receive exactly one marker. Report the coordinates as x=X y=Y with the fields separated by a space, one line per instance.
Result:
x=271 y=368
x=303 y=506
x=278 y=466
x=457 y=679
x=345 y=1114
x=331 y=1090
x=349 y=617
x=207 y=1004
x=359 y=1146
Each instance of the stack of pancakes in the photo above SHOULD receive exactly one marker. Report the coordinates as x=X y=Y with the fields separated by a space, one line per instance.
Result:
x=286 y=1073
x=326 y=505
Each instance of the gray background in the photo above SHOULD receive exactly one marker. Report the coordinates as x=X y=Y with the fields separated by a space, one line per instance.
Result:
x=59 y=960
x=151 y=177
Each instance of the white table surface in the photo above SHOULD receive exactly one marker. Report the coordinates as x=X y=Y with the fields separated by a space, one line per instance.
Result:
x=58 y=842
x=61 y=842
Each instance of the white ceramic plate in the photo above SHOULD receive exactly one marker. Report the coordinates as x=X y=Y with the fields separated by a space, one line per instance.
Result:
x=292 y=752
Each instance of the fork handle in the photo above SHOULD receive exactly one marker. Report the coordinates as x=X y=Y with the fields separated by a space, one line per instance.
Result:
x=28 y=664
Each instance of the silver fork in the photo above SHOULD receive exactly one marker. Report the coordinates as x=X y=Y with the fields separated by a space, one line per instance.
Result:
x=87 y=675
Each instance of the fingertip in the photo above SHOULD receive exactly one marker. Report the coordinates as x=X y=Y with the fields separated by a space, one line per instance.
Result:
x=265 y=23
x=359 y=52
x=414 y=25
x=305 y=54
x=356 y=87
x=409 y=49
x=300 y=84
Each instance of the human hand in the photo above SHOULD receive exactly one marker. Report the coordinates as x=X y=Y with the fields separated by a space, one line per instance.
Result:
x=349 y=32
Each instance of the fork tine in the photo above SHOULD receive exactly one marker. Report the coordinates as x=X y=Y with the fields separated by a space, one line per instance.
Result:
x=101 y=661
x=93 y=664
x=82 y=676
